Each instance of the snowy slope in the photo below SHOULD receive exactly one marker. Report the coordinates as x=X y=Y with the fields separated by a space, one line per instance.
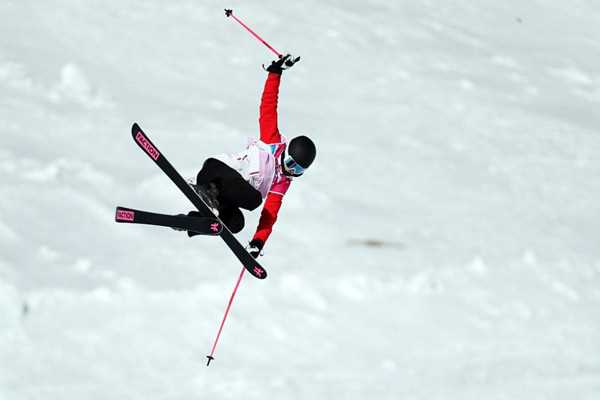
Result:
x=444 y=245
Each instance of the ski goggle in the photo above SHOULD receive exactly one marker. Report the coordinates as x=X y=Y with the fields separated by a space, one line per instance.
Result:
x=292 y=167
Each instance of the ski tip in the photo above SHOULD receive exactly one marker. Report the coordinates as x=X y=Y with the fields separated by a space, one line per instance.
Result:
x=228 y=12
x=123 y=214
x=135 y=128
x=210 y=358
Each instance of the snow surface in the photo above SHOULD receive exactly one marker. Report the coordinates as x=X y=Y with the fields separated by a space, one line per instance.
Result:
x=444 y=246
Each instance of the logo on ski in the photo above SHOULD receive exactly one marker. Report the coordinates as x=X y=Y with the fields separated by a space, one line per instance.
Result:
x=147 y=146
x=125 y=215
x=258 y=271
x=215 y=227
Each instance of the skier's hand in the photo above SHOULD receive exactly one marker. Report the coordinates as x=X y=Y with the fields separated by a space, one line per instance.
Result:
x=255 y=247
x=283 y=63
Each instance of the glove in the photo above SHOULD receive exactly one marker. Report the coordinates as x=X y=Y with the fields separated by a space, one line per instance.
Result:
x=283 y=63
x=254 y=247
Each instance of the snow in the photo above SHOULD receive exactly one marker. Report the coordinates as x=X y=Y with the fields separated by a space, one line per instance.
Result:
x=443 y=246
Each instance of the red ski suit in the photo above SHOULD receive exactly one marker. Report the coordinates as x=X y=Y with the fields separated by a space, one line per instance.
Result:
x=269 y=134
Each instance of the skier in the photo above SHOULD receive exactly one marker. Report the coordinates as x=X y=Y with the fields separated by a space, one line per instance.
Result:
x=264 y=170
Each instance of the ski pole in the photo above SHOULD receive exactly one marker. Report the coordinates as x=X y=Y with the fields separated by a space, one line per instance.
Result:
x=212 y=352
x=229 y=13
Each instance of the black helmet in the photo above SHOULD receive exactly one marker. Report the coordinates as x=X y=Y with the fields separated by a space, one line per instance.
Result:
x=301 y=152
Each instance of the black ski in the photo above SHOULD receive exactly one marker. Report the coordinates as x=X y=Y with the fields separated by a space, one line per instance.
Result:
x=199 y=225
x=251 y=265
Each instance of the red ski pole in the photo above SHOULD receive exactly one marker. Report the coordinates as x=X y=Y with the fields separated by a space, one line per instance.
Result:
x=212 y=352
x=229 y=13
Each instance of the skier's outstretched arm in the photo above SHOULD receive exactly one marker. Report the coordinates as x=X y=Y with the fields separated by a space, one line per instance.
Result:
x=269 y=131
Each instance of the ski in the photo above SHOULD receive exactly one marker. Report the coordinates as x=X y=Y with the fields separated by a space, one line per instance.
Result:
x=142 y=140
x=200 y=225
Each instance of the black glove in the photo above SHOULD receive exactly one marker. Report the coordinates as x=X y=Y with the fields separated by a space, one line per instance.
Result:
x=283 y=63
x=254 y=247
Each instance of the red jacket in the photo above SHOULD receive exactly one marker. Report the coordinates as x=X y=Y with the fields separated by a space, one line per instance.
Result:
x=269 y=133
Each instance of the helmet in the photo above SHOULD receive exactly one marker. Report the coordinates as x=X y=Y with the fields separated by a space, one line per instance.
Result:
x=300 y=153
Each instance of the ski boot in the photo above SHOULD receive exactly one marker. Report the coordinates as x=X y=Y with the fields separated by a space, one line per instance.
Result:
x=208 y=193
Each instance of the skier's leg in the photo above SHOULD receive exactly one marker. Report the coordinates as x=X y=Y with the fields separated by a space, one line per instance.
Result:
x=233 y=218
x=212 y=170
x=230 y=216
x=241 y=194
x=194 y=214
x=233 y=189
x=209 y=181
